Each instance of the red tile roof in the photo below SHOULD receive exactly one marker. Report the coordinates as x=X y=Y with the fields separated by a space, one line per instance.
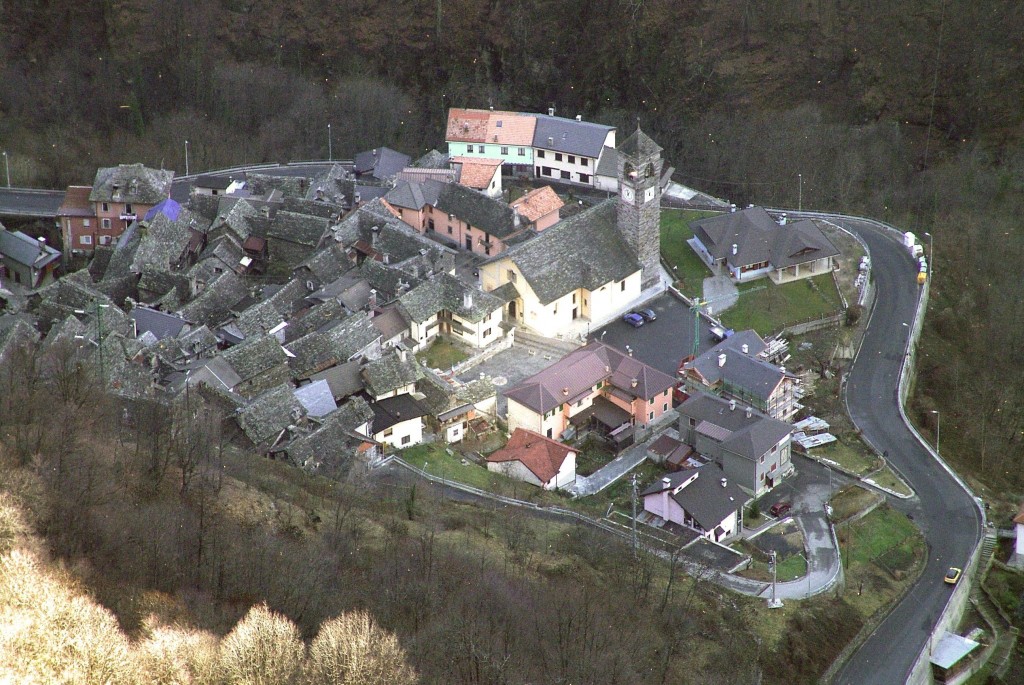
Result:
x=510 y=128
x=467 y=125
x=537 y=203
x=542 y=456
x=1019 y=518
x=477 y=173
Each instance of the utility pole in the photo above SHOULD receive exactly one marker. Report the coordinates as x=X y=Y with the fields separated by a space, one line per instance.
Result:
x=634 y=515
x=7 y=166
x=800 y=197
x=186 y=158
x=774 y=602
x=330 y=149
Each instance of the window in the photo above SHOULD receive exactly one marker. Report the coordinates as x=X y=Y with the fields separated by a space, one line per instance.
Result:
x=651 y=417
x=406 y=440
x=487 y=332
x=86 y=240
x=469 y=148
x=498 y=124
x=512 y=276
x=762 y=477
x=522 y=152
x=775 y=465
x=550 y=433
x=389 y=432
x=480 y=149
x=558 y=156
x=622 y=286
x=572 y=159
x=87 y=222
x=540 y=153
x=664 y=407
x=105 y=223
x=128 y=208
x=762 y=458
x=565 y=175
x=584 y=178
x=449 y=229
x=504 y=150
x=106 y=207
x=546 y=170
x=584 y=161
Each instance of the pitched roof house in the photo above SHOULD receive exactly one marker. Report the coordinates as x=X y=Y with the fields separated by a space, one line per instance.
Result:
x=539 y=207
x=594 y=385
x=750 y=244
x=753 y=449
x=380 y=163
x=121 y=194
x=533 y=458
x=77 y=219
x=27 y=261
x=398 y=421
x=481 y=174
x=735 y=369
x=702 y=499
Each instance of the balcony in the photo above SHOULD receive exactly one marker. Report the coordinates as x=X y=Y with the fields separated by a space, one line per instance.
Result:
x=128 y=217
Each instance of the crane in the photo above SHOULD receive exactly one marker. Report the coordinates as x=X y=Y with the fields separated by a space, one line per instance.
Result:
x=695 y=307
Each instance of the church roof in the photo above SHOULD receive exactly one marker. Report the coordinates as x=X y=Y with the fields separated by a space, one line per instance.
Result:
x=639 y=145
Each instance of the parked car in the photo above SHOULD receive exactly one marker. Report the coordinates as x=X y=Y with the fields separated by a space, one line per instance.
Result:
x=780 y=509
x=648 y=314
x=953 y=575
x=634 y=319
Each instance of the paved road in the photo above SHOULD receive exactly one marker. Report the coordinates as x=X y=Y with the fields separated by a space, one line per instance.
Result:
x=946 y=513
x=29 y=202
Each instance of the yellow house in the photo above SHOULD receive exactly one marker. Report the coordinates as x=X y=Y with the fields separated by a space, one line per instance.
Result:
x=580 y=269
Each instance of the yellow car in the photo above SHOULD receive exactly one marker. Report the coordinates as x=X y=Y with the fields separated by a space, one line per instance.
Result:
x=953 y=575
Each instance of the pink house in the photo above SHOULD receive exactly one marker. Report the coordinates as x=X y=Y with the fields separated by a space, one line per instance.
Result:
x=595 y=386
x=79 y=228
x=701 y=499
x=123 y=194
x=531 y=457
x=539 y=207
x=456 y=214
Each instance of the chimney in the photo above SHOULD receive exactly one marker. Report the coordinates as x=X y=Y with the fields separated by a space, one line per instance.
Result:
x=42 y=246
x=666 y=481
x=403 y=355
x=732 y=207
x=515 y=217
x=373 y=235
x=551 y=141
x=633 y=383
x=551 y=111
x=721 y=360
x=746 y=348
x=782 y=221
x=750 y=412
x=735 y=248
x=387 y=258
x=724 y=482
x=565 y=391
x=732 y=405
x=467 y=299
x=579 y=117
x=372 y=300
x=265 y=211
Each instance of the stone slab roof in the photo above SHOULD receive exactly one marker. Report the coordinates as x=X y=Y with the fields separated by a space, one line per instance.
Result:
x=582 y=369
x=213 y=305
x=255 y=356
x=301 y=229
x=638 y=145
x=269 y=414
x=432 y=160
x=390 y=372
x=161 y=324
x=323 y=349
x=542 y=456
x=132 y=183
x=343 y=380
x=381 y=163
x=446 y=292
x=584 y=251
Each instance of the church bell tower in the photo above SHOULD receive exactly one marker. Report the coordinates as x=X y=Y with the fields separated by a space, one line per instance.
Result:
x=639 y=206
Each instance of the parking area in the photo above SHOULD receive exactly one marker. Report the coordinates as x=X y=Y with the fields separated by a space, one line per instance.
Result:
x=662 y=343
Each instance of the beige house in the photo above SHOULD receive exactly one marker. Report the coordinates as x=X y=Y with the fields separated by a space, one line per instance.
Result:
x=446 y=306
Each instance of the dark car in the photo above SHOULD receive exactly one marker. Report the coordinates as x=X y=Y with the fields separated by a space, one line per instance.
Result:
x=648 y=314
x=634 y=319
x=780 y=509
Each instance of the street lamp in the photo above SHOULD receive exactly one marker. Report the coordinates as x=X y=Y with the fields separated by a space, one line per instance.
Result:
x=829 y=468
x=808 y=563
x=800 y=199
x=931 y=254
x=7 y=166
x=330 y=151
x=186 y=158
x=938 y=431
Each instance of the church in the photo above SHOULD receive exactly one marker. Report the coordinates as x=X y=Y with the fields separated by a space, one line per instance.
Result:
x=592 y=267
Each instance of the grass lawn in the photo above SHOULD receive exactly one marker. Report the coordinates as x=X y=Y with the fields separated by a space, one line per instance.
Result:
x=442 y=354
x=767 y=308
x=850 y=454
x=851 y=500
x=882 y=537
x=792 y=567
x=888 y=480
x=690 y=271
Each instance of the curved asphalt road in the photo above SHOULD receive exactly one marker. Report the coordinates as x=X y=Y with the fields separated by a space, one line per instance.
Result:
x=946 y=513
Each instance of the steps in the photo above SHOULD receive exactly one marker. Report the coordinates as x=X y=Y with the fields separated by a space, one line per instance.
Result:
x=988 y=546
x=554 y=348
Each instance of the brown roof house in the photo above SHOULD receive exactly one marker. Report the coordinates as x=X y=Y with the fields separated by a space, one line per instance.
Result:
x=77 y=219
x=539 y=207
x=480 y=174
x=749 y=244
x=531 y=457
x=596 y=385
